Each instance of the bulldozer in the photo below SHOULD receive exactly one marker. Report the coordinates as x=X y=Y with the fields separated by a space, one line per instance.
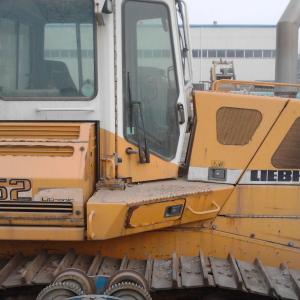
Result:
x=118 y=181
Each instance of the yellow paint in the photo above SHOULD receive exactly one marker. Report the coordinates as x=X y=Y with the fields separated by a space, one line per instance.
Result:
x=41 y=131
x=130 y=168
x=225 y=85
x=110 y=220
x=207 y=152
x=269 y=200
x=262 y=160
x=279 y=231
x=151 y=214
x=40 y=233
x=266 y=212
x=49 y=166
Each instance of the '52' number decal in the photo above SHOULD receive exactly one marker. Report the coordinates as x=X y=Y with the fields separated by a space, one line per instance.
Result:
x=12 y=189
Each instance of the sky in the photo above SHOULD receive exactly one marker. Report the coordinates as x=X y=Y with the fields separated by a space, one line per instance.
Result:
x=236 y=11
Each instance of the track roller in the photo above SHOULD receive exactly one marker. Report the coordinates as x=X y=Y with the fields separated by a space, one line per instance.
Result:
x=128 y=276
x=59 y=291
x=77 y=278
x=128 y=291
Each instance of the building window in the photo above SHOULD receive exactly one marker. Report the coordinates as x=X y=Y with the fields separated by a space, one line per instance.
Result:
x=267 y=53
x=204 y=53
x=212 y=53
x=221 y=53
x=239 y=53
x=230 y=53
x=258 y=53
x=249 y=53
x=195 y=53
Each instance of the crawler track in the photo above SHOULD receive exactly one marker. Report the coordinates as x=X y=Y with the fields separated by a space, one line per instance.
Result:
x=177 y=273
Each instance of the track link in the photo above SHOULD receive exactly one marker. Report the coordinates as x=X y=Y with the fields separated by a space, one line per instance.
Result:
x=161 y=274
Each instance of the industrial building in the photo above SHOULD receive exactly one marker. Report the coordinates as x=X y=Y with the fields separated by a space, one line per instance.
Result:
x=250 y=47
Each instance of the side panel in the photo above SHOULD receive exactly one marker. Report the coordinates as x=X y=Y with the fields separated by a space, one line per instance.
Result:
x=266 y=203
x=152 y=206
x=47 y=173
x=230 y=128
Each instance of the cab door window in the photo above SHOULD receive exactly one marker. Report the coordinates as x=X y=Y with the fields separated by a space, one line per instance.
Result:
x=150 y=82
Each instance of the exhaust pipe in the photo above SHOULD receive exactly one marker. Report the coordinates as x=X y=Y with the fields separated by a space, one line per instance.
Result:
x=287 y=44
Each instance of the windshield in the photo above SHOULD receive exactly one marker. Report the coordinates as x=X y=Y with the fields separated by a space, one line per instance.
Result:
x=47 y=49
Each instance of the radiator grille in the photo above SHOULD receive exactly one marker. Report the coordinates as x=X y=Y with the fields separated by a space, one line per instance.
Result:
x=18 y=150
x=36 y=207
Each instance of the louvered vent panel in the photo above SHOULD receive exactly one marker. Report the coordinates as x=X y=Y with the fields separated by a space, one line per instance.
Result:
x=39 y=131
x=16 y=150
x=236 y=126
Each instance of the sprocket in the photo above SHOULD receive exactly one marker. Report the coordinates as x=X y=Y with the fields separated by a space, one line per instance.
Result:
x=128 y=291
x=59 y=291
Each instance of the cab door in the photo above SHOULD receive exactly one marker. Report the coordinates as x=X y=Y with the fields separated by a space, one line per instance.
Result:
x=154 y=107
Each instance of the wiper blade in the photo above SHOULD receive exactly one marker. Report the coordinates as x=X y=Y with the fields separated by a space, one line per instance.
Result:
x=130 y=101
x=144 y=153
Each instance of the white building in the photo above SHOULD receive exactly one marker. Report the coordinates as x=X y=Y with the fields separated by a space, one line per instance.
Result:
x=250 y=47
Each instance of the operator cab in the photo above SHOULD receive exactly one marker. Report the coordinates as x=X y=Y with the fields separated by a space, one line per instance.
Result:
x=90 y=91
x=124 y=65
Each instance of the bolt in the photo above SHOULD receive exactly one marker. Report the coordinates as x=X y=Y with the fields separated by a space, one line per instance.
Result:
x=252 y=235
x=81 y=148
x=291 y=244
x=214 y=227
x=77 y=212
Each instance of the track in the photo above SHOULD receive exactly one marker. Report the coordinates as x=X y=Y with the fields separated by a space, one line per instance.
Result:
x=178 y=273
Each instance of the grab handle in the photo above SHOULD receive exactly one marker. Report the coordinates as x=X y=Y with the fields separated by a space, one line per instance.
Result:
x=205 y=212
x=90 y=224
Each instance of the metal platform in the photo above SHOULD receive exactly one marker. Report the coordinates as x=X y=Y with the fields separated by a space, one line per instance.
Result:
x=155 y=191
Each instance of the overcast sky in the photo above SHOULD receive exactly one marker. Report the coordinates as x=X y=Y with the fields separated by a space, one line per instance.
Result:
x=236 y=11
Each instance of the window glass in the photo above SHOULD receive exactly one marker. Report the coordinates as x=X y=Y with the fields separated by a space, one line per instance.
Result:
x=47 y=48
x=248 y=53
x=212 y=53
x=221 y=53
x=239 y=53
x=204 y=53
x=195 y=53
x=258 y=53
x=150 y=82
x=230 y=53
x=267 y=53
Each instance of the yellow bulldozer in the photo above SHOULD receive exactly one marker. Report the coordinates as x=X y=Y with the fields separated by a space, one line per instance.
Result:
x=118 y=181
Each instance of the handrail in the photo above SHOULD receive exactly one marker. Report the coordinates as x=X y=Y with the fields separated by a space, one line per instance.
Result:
x=91 y=232
x=217 y=84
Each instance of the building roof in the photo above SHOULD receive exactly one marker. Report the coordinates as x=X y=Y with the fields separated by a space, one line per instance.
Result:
x=231 y=26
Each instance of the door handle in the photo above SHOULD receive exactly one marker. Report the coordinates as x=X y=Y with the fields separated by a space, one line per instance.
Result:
x=181 y=115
